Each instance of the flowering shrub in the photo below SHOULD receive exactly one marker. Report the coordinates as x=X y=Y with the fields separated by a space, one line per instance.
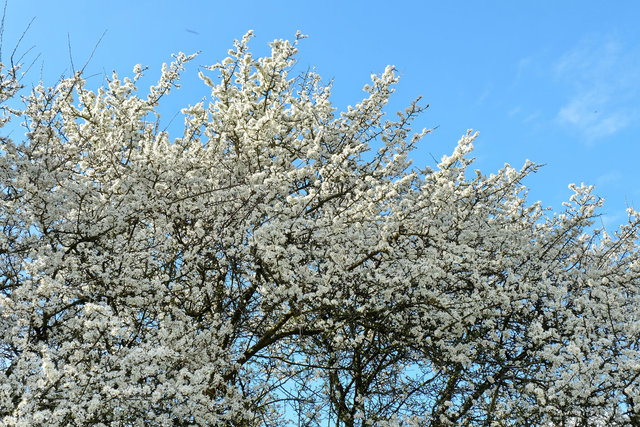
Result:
x=281 y=262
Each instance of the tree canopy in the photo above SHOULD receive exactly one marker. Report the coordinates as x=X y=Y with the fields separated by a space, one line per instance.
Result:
x=282 y=263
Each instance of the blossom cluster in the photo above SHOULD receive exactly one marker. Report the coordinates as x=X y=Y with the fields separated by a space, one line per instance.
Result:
x=282 y=262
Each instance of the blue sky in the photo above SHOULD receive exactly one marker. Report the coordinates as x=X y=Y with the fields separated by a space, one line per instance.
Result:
x=554 y=82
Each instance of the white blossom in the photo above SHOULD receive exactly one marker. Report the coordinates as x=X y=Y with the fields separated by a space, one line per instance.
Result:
x=283 y=258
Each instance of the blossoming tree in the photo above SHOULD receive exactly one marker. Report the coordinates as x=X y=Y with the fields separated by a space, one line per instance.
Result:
x=282 y=263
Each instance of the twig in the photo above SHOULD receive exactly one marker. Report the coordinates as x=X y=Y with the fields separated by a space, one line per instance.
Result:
x=93 y=51
x=73 y=69
x=4 y=14
x=20 y=40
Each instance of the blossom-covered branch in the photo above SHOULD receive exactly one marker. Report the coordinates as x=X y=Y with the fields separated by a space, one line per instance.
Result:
x=280 y=262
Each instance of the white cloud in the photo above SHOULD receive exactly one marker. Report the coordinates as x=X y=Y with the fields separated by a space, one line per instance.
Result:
x=604 y=98
x=513 y=111
x=608 y=178
x=531 y=117
x=484 y=95
x=594 y=115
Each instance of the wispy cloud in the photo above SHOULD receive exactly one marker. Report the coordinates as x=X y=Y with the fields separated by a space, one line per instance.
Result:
x=595 y=115
x=602 y=77
x=531 y=117
x=484 y=95
x=608 y=178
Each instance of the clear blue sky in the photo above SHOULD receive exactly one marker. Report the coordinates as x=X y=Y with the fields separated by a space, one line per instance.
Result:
x=557 y=82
